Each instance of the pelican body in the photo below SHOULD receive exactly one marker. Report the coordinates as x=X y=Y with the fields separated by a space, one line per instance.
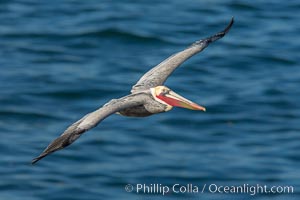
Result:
x=148 y=96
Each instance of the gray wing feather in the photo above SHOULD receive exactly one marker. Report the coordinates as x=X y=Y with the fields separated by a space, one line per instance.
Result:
x=91 y=120
x=159 y=74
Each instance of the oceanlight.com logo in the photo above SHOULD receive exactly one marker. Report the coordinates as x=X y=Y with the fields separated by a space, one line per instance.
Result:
x=177 y=188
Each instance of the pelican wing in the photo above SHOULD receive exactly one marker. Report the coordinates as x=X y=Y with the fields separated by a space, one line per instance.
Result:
x=91 y=120
x=159 y=74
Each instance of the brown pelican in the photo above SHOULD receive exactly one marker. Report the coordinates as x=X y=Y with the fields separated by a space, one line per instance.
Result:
x=148 y=96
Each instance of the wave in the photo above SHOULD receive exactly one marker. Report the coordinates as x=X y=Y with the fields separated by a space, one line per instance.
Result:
x=105 y=33
x=25 y=115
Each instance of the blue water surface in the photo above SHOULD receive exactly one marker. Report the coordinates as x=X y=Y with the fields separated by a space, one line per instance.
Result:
x=62 y=59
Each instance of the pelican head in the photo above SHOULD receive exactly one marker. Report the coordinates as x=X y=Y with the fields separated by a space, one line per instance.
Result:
x=167 y=97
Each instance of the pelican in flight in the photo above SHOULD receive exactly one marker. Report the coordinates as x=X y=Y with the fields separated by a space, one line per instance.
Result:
x=148 y=96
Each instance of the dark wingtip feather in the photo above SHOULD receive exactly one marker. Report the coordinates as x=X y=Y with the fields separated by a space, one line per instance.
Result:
x=229 y=25
x=38 y=158
x=205 y=42
x=222 y=33
x=59 y=143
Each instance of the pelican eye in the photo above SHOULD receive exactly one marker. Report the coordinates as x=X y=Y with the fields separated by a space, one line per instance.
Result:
x=164 y=91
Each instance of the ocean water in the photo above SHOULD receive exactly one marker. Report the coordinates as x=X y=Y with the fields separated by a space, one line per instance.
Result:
x=62 y=59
